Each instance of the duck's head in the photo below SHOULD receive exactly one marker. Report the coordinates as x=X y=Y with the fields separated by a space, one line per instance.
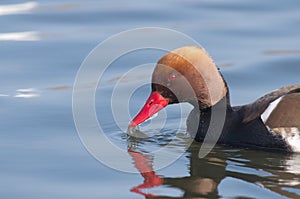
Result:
x=187 y=74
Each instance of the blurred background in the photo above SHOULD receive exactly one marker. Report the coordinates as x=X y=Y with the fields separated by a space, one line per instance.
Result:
x=42 y=45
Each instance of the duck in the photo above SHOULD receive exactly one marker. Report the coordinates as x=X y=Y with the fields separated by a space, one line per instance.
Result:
x=189 y=74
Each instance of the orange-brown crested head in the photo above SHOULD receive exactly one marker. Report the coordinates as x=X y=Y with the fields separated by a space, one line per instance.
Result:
x=188 y=72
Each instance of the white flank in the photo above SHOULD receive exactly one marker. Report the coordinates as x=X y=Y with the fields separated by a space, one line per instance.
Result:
x=293 y=140
x=270 y=109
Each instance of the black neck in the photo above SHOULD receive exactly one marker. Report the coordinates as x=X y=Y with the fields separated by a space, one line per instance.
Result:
x=224 y=116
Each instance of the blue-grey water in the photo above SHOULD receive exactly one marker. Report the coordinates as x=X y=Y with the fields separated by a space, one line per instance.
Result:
x=255 y=43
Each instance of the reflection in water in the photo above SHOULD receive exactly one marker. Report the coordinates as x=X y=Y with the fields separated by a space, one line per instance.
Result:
x=59 y=88
x=143 y=164
x=4 y=95
x=281 y=52
x=215 y=175
x=21 y=36
x=17 y=8
x=27 y=93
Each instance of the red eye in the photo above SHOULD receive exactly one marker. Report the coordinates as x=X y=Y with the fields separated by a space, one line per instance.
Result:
x=172 y=77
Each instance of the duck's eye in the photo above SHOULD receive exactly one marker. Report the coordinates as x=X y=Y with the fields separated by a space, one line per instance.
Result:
x=172 y=77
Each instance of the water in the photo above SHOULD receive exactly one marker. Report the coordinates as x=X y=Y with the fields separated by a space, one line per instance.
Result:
x=42 y=44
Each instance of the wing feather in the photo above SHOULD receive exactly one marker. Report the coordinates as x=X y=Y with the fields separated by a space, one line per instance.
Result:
x=256 y=109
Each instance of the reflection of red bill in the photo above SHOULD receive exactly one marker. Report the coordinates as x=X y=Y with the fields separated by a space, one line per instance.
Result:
x=154 y=103
x=144 y=166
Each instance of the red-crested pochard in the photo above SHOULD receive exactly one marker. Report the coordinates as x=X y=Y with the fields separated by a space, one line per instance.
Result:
x=189 y=73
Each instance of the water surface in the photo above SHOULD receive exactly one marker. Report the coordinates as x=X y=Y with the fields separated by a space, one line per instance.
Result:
x=42 y=44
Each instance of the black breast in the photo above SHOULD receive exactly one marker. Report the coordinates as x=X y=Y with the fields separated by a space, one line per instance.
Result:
x=253 y=134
